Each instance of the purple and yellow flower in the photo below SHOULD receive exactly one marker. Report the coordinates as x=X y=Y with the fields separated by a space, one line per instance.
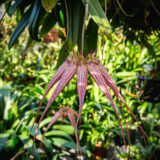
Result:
x=82 y=66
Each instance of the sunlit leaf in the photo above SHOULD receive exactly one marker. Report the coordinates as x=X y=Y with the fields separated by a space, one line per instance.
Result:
x=98 y=15
x=48 y=4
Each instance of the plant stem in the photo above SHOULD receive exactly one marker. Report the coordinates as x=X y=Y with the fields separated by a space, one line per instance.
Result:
x=83 y=29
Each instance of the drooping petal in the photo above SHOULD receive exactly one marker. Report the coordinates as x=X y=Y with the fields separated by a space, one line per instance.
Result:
x=144 y=135
x=110 y=82
x=96 y=75
x=128 y=134
x=55 y=118
x=73 y=122
x=52 y=82
x=82 y=76
x=114 y=87
x=66 y=77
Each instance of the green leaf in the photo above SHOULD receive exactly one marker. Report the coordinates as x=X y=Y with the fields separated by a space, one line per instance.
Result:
x=76 y=16
x=59 y=141
x=19 y=28
x=34 y=130
x=91 y=36
x=126 y=74
x=36 y=14
x=48 y=23
x=66 y=128
x=98 y=15
x=59 y=133
x=62 y=55
x=48 y=4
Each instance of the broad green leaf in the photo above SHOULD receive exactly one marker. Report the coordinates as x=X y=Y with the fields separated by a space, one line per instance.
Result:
x=34 y=130
x=59 y=141
x=48 y=4
x=67 y=128
x=34 y=20
x=59 y=133
x=98 y=15
x=48 y=23
x=19 y=28
x=45 y=121
x=76 y=16
x=91 y=36
x=62 y=55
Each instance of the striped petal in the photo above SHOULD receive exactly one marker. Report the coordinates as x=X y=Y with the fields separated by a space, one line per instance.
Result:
x=73 y=122
x=96 y=75
x=55 y=118
x=109 y=80
x=54 y=79
x=82 y=78
x=114 y=87
x=144 y=135
x=128 y=133
x=66 y=77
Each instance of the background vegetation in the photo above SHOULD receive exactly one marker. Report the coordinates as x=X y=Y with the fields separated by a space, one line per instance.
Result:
x=25 y=71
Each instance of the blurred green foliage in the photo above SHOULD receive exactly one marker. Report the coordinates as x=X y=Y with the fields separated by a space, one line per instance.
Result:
x=25 y=74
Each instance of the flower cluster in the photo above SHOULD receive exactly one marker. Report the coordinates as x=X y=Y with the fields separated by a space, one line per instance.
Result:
x=84 y=65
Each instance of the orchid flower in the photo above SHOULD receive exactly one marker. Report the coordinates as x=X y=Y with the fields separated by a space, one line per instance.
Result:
x=64 y=112
x=84 y=65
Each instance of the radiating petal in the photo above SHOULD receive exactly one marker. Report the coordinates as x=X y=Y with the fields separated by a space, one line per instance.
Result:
x=109 y=80
x=55 y=78
x=52 y=82
x=114 y=87
x=66 y=77
x=55 y=118
x=82 y=78
x=96 y=75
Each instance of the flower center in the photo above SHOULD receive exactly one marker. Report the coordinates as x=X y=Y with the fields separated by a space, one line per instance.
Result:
x=81 y=60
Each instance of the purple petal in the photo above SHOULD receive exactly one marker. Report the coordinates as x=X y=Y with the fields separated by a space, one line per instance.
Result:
x=54 y=79
x=82 y=78
x=109 y=80
x=66 y=77
x=128 y=134
x=73 y=122
x=55 y=118
x=114 y=87
x=96 y=75
x=144 y=135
